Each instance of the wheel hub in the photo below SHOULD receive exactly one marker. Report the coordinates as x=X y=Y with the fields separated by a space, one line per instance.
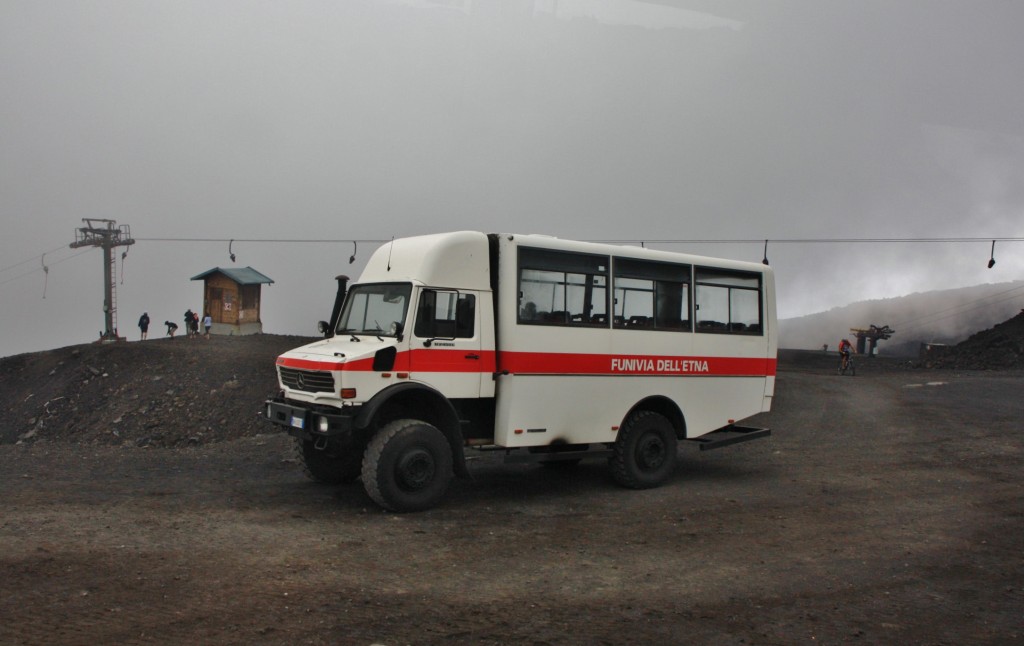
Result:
x=415 y=470
x=650 y=453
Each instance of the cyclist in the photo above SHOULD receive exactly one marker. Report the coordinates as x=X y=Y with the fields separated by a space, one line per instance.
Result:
x=845 y=349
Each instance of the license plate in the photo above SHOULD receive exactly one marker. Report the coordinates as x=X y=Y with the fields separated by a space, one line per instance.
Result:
x=298 y=422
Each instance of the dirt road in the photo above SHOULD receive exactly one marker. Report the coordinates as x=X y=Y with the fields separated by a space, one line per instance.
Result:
x=885 y=508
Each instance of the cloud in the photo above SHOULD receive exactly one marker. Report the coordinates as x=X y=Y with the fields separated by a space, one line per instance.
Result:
x=374 y=119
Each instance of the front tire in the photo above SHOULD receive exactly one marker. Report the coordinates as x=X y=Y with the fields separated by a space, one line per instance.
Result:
x=407 y=466
x=644 y=455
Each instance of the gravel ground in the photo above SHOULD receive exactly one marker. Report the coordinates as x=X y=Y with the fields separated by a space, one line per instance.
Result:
x=884 y=508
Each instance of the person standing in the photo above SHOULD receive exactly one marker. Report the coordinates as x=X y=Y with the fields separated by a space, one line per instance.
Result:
x=144 y=325
x=189 y=322
x=207 y=323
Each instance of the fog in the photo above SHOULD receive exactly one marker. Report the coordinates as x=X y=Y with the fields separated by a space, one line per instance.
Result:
x=199 y=123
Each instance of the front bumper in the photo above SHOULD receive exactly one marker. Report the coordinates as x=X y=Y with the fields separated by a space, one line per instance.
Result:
x=309 y=421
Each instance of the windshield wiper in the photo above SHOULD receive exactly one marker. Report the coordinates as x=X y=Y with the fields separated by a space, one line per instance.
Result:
x=351 y=334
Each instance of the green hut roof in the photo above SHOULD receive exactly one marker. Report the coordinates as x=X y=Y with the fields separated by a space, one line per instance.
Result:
x=246 y=276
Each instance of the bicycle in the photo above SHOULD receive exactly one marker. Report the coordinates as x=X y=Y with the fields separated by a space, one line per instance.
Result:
x=846 y=364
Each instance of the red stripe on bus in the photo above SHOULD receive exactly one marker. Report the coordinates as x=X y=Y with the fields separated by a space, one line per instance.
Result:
x=550 y=363
x=419 y=360
x=313 y=364
x=437 y=360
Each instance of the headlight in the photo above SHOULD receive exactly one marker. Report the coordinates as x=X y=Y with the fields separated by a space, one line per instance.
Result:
x=323 y=424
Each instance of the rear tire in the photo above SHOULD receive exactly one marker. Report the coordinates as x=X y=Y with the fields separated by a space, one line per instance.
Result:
x=328 y=465
x=407 y=466
x=644 y=455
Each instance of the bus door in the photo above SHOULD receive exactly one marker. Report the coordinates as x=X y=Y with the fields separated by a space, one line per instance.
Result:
x=446 y=343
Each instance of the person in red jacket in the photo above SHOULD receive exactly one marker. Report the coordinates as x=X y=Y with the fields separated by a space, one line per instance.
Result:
x=845 y=349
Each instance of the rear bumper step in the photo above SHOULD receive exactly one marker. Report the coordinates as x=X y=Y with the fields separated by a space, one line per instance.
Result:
x=731 y=434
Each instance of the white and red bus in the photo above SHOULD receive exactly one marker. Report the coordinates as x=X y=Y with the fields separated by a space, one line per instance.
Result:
x=548 y=349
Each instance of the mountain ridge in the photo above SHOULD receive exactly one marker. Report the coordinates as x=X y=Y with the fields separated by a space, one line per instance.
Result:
x=944 y=317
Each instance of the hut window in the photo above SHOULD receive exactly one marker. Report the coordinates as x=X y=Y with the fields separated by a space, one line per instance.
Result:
x=250 y=297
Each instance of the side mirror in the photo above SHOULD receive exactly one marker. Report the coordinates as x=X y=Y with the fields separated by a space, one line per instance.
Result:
x=397 y=329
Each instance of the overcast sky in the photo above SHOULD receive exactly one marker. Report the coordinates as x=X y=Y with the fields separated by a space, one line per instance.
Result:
x=585 y=119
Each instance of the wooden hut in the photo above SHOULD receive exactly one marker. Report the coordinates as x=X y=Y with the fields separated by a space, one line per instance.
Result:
x=232 y=297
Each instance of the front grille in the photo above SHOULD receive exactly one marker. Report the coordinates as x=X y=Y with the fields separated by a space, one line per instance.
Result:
x=310 y=381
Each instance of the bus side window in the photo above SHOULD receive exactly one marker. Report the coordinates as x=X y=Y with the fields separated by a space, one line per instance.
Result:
x=465 y=318
x=425 y=328
x=651 y=295
x=728 y=301
x=445 y=315
x=562 y=288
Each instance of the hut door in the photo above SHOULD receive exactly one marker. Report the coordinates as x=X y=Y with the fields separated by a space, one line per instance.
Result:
x=229 y=311
x=216 y=304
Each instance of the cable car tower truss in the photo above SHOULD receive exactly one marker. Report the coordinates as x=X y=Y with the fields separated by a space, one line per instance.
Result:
x=105 y=234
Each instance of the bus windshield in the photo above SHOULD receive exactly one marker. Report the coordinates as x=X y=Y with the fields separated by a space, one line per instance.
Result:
x=377 y=309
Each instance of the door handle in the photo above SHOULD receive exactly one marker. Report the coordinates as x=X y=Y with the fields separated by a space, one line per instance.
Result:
x=472 y=356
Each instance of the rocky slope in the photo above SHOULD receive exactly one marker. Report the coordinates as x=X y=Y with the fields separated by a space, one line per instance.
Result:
x=160 y=392
x=997 y=348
